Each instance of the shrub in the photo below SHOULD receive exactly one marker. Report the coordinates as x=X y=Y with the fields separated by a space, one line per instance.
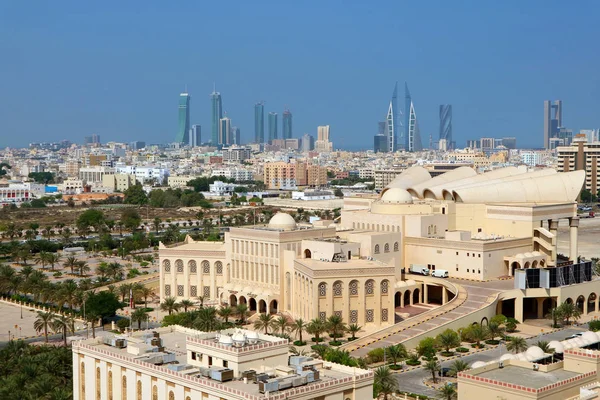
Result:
x=413 y=362
x=57 y=274
x=481 y=346
x=335 y=343
x=299 y=343
x=462 y=350
x=595 y=326
x=426 y=347
x=492 y=342
x=376 y=355
x=447 y=353
x=395 y=367
x=317 y=340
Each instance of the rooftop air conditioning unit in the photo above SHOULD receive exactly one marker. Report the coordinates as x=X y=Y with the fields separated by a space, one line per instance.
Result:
x=536 y=367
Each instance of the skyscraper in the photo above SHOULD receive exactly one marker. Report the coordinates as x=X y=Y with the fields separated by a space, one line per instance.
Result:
x=308 y=142
x=236 y=136
x=184 y=119
x=323 y=144
x=380 y=144
x=412 y=135
x=446 y=123
x=272 y=126
x=287 y=124
x=259 y=122
x=392 y=122
x=195 y=136
x=216 y=115
x=552 y=120
x=224 y=131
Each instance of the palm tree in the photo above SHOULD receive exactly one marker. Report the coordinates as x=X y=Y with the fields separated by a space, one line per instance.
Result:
x=71 y=262
x=83 y=268
x=225 y=312
x=265 y=321
x=385 y=383
x=316 y=327
x=43 y=322
x=67 y=293
x=139 y=316
x=432 y=366
x=495 y=330
x=145 y=292
x=61 y=324
x=102 y=270
x=397 y=352
x=42 y=258
x=545 y=346
x=516 y=344
x=242 y=310
x=92 y=318
x=156 y=224
x=448 y=339
x=26 y=272
x=448 y=392
x=115 y=270
x=478 y=333
x=53 y=258
x=458 y=366
x=170 y=304
x=298 y=326
x=186 y=304
x=569 y=311
x=201 y=300
x=281 y=324
x=335 y=326
x=66 y=234
x=354 y=329
x=125 y=290
x=206 y=320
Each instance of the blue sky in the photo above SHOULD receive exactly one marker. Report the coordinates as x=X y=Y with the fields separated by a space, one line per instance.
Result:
x=70 y=69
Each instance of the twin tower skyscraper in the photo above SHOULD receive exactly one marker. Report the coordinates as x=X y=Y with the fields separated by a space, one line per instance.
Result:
x=408 y=138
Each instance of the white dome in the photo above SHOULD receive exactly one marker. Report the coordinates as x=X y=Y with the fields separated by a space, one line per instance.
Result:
x=410 y=282
x=252 y=337
x=400 y=284
x=557 y=346
x=536 y=253
x=225 y=340
x=598 y=334
x=534 y=352
x=239 y=339
x=478 y=364
x=578 y=342
x=397 y=195
x=282 y=221
x=566 y=344
x=521 y=357
x=507 y=356
x=590 y=337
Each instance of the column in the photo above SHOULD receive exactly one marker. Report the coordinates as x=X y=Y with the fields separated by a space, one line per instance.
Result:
x=573 y=232
x=519 y=309
x=540 y=308
x=425 y=293
x=585 y=306
x=553 y=225
x=444 y=295
x=401 y=299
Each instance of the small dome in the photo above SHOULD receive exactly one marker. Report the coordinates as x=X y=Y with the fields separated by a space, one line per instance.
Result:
x=507 y=356
x=239 y=339
x=400 y=284
x=534 y=352
x=536 y=253
x=578 y=342
x=397 y=195
x=566 y=344
x=520 y=255
x=252 y=337
x=410 y=282
x=522 y=357
x=478 y=364
x=282 y=221
x=590 y=337
x=225 y=340
x=528 y=255
x=557 y=346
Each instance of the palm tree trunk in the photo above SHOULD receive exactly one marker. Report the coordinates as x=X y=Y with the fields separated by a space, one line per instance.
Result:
x=65 y=335
x=46 y=332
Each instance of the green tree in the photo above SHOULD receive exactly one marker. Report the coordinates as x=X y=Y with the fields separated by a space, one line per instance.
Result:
x=4 y=167
x=316 y=327
x=298 y=326
x=448 y=391
x=185 y=304
x=281 y=324
x=335 y=326
x=265 y=321
x=338 y=193
x=169 y=305
x=135 y=195
x=516 y=344
x=139 y=316
x=102 y=304
x=448 y=339
x=384 y=383
x=396 y=352
x=458 y=366
x=83 y=268
x=123 y=324
x=156 y=223
x=206 y=320
x=43 y=323
x=478 y=333
x=131 y=219
x=53 y=259
x=495 y=330
x=225 y=313
x=545 y=346
x=91 y=218
x=568 y=312
x=42 y=177
x=61 y=324
x=426 y=347
x=433 y=366
x=242 y=310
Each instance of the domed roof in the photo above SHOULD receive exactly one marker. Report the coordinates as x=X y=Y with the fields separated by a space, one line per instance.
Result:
x=410 y=282
x=226 y=340
x=536 y=253
x=507 y=356
x=397 y=195
x=534 y=352
x=556 y=345
x=252 y=335
x=589 y=337
x=400 y=284
x=478 y=364
x=282 y=221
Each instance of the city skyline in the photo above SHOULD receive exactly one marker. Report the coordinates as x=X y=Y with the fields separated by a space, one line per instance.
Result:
x=481 y=73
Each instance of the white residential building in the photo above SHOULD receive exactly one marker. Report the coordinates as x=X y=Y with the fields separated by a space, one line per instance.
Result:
x=531 y=158
x=239 y=174
x=145 y=173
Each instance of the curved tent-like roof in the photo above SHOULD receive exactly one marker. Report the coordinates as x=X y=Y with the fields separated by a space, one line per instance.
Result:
x=447 y=194
x=556 y=188
x=435 y=192
x=450 y=176
x=409 y=177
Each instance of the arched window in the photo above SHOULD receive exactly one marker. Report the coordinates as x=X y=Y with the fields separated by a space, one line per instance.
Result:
x=124 y=388
x=154 y=393
x=192 y=266
x=171 y=395
x=370 y=287
x=376 y=249
x=179 y=265
x=110 y=386
x=82 y=379
x=167 y=265
x=353 y=288
x=98 y=387
x=219 y=268
x=384 y=286
x=386 y=248
x=205 y=267
x=337 y=288
x=396 y=246
x=139 y=390
x=322 y=289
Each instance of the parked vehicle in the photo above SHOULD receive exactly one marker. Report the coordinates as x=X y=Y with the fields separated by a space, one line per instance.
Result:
x=418 y=269
x=439 y=273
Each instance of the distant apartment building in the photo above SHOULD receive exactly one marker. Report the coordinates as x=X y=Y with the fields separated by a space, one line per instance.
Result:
x=91 y=175
x=71 y=185
x=531 y=158
x=280 y=175
x=237 y=174
x=310 y=175
x=366 y=173
x=478 y=159
x=145 y=174
x=236 y=154
x=581 y=155
x=95 y=160
x=179 y=181
x=323 y=144
x=118 y=182
x=308 y=143
x=71 y=168
x=384 y=176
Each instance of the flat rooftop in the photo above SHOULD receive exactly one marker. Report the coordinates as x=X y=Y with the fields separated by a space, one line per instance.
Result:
x=362 y=263
x=527 y=377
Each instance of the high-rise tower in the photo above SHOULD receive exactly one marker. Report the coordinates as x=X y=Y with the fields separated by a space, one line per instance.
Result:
x=412 y=135
x=195 y=136
x=259 y=122
x=552 y=120
x=446 y=123
x=224 y=131
x=287 y=124
x=392 y=122
x=184 y=119
x=272 y=126
x=216 y=115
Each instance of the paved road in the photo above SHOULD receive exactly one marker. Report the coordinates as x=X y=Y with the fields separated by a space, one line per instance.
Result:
x=412 y=381
x=477 y=294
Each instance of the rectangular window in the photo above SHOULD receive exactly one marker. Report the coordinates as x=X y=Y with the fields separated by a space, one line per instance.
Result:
x=479 y=255
x=457 y=253
x=193 y=355
x=225 y=363
x=467 y=270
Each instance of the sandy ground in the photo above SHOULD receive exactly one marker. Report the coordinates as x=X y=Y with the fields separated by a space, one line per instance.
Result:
x=589 y=237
